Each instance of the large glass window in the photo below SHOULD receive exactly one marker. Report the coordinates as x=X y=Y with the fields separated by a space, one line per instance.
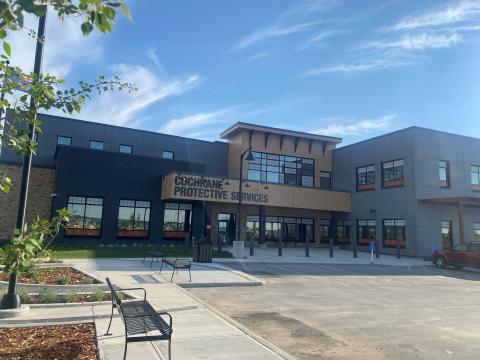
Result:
x=392 y=173
x=343 y=231
x=64 y=140
x=366 y=178
x=273 y=228
x=476 y=231
x=444 y=173
x=367 y=231
x=325 y=180
x=133 y=218
x=447 y=234
x=126 y=149
x=168 y=154
x=475 y=176
x=393 y=232
x=324 y=229
x=86 y=216
x=253 y=226
x=97 y=145
x=281 y=169
x=177 y=219
x=226 y=227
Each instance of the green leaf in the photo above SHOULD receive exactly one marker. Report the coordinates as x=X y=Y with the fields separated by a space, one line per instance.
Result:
x=86 y=28
x=7 y=49
x=124 y=9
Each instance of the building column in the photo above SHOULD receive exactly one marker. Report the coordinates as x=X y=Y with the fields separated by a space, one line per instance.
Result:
x=262 y=214
x=207 y=216
x=461 y=223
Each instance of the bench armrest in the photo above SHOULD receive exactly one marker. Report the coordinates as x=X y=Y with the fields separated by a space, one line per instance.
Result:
x=138 y=288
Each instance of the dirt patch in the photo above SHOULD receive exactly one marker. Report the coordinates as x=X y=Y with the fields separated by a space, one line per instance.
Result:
x=54 y=276
x=75 y=342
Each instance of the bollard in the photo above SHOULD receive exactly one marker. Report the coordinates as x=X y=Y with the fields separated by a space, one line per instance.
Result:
x=398 y=249
x=331 y=247
x=355 y=249
x=307 y=247
x=280 y=248
x=377 y=250
x=251 y=244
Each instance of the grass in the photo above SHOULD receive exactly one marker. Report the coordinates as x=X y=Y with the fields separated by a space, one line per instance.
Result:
x=48 y=295
x=124 y=252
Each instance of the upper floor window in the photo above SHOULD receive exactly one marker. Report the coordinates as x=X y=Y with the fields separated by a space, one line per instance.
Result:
x=392 y=173
x=475 y=176
x=444 y=173
x=476 y=230
x=64 y=140
x=281 y=169
x=133 y=218
x=366 y=178
x=126 y=149
x=325 y=180
x=97 y=145
x=167 y=154
x=86 y=216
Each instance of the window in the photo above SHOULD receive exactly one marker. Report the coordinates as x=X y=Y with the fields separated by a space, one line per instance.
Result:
x=343 y=231
x=226 y=227
x=367 y=231
x=273 y=228
x=366 y=178
x=447 y=234
x=133 y=218
x=324 y=229
x=253 y=225
x=394 y=232
x=392 y=173
x=475 y=176
x=281 y=169
x=97 y=145
x=167 y=154
x=444 y=173
x=64 y=140
x=86 y=219
x=176 y=220
x=476 y=231
x=325 y=180
x=126 y=149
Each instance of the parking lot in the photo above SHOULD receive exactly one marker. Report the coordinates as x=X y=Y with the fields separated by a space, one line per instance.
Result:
x=335 y=311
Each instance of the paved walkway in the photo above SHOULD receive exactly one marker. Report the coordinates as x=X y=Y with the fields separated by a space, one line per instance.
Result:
x=322 y=256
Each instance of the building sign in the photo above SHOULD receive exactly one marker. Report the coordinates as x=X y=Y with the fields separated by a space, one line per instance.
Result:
x=186 y=186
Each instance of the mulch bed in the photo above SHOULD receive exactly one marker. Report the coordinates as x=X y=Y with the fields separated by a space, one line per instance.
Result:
x=56 y=342
x=53 y=275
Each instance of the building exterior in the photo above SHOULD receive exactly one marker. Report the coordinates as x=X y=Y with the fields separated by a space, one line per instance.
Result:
x=415 y=188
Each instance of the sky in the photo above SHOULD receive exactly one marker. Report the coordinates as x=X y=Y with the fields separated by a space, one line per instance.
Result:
x=345 y=68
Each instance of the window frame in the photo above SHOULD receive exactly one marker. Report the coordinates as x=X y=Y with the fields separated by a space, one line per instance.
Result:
x=178 y=234
x=367 y=243
x=65 y=137
x=96 y=141
x=131 y=233
x=367 y=186
x=444 y=183
x=170 y=152
x=404 y=240
x=123 y=152
x=475 y=187
x=346 y=224
x=75 y=232
x=476 y=227
x=396 y=182
x=320 y=179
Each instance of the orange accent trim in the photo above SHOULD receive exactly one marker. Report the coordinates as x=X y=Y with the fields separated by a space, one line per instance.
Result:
x=366 y=186
x=393 y=183
x=176 y=234
x=132 y=233
x=82 y=232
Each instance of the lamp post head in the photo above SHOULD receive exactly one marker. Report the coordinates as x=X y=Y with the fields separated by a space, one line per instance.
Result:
x=250 y=156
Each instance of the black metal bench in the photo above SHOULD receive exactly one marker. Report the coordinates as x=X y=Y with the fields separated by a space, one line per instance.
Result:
x=139 y=317
x=177 y=264
x=154 y=255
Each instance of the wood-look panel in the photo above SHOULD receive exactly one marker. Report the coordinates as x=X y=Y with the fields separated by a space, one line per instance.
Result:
x=278 y=195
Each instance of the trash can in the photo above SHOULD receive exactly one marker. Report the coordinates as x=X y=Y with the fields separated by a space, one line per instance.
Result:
x=202 y=251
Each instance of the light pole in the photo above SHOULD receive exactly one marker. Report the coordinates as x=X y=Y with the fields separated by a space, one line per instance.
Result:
x=11 y=300
x=240 y=187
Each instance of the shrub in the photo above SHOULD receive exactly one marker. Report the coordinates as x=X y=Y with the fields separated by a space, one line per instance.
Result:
x=89 y=280
x=73 y=297
x=34 y=274
x=48 y=295
x=63 y=280
x=97 y=294
x=24 y=295
x=121 y=295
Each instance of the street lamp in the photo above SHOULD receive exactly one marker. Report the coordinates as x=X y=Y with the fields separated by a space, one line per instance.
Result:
x=11 y=300
x=240 y=183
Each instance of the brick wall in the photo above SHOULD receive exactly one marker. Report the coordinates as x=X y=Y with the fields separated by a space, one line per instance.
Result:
x=39 y=197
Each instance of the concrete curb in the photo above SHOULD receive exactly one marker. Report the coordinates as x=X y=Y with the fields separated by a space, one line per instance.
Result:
x=273 y=348
x=211 y=285
x=236 y=272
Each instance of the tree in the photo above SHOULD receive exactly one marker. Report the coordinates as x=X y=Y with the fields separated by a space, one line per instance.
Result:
x=23 y=95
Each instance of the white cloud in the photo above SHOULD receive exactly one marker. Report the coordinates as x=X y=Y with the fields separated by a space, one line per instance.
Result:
x=418 y=42
x=373 y=65
x=355 y=127
x=121 y=108
x=453 y=14
x=257 y=56
x=152 y=54
x=315 y=40
x=65 y=46
x=288 y=23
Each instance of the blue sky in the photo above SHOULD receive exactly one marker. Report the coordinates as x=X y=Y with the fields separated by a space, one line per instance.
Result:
x=353 y=69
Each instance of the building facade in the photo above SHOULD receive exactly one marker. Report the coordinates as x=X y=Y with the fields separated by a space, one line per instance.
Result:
x=415 y=188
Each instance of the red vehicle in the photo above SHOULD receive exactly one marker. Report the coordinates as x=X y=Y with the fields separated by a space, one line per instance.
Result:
x=459 y=257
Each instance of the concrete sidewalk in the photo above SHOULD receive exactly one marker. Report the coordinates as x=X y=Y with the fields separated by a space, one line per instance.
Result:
x=321 y=256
